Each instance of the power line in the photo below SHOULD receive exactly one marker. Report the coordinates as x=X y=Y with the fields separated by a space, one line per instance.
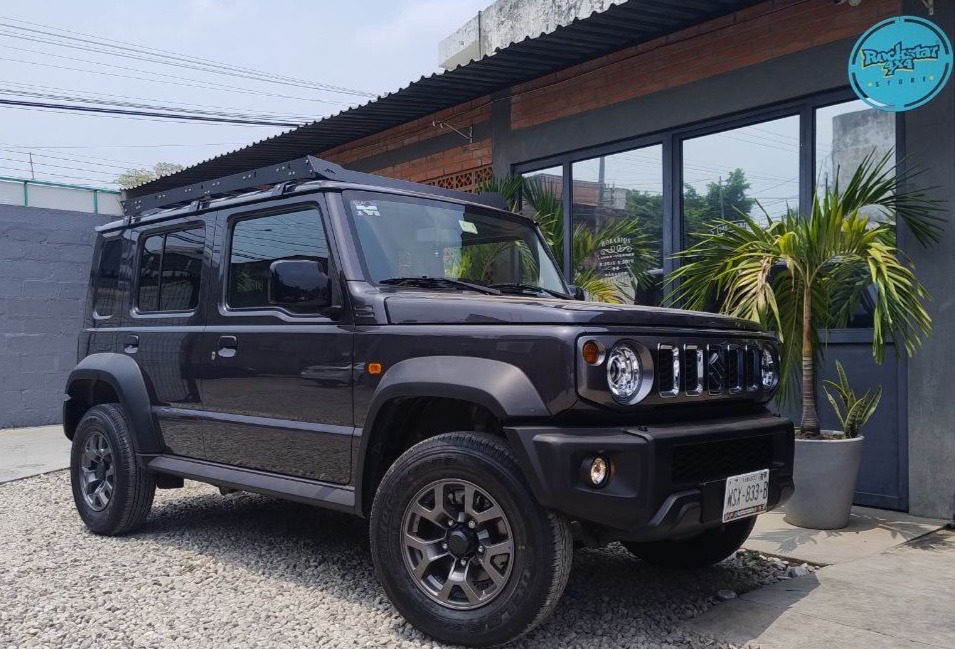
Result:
x=196 y=83
x=79 y=40
x=187 y=105
x=141 y=113
x=261 y=118
x=121 y=146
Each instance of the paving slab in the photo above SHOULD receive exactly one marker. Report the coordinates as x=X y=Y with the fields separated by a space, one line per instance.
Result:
x=870 y=531
x=900 y=598
x=31 y=451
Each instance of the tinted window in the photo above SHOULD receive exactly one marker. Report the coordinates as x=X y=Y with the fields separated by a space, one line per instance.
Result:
x=258 y=242
x=170 y=268
x=181 y=270
x=106 y=291
x=149 y=269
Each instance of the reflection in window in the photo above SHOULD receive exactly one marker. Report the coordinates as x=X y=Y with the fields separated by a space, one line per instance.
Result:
x=845 y=135
x=752 y=170
x=542 y=200
x=618 y=226
x=170 y=268
x=258 y=242
x=106 y=292
x=181 y=270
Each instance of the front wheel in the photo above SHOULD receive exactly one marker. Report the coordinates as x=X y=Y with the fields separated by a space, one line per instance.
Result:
x=461 y=547
x=712 y=546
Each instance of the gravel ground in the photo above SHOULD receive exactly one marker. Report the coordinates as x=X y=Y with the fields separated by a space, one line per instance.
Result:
x=248 y=571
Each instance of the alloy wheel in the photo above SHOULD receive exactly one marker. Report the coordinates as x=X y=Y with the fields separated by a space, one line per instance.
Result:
x=97 y=472
x=457 y=544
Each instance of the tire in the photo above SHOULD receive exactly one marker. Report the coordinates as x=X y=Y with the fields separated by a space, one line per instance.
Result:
x=477 y=608
x=710 y=547
x=112 y=490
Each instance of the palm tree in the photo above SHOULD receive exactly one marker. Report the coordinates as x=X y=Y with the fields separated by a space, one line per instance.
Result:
x=542 y=200
x=800 y=273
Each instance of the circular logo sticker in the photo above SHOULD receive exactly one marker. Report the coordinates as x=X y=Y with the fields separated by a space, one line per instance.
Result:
x=900 y=63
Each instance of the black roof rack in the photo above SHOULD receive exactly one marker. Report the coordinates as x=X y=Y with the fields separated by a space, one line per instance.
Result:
x=307 y=168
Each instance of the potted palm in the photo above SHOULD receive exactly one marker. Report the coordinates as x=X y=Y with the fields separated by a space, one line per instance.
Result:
x=802 y=273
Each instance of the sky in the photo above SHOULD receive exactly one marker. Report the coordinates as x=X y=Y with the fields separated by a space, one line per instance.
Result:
x=372 y=46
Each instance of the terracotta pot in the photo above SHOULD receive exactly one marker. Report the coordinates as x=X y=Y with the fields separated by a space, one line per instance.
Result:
x=825 y=472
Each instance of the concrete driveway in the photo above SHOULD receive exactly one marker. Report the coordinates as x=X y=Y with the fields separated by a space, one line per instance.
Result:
x=30 y=451
x=898 y=599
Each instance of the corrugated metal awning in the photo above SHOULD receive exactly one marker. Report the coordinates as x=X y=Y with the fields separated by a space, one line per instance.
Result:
x=620 y=26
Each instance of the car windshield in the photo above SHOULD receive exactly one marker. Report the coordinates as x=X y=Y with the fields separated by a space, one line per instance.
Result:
x=430 y=243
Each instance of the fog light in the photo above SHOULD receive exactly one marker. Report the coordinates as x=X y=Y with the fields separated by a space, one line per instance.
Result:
x=599 y=471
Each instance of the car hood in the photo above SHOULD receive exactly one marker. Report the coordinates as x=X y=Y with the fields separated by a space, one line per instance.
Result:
x=425 y=307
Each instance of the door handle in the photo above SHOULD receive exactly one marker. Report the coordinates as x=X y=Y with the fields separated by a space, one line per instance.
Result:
x=227 y=346
x=132 y=344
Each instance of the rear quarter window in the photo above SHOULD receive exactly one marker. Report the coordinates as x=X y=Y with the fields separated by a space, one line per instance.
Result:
x=106 y=292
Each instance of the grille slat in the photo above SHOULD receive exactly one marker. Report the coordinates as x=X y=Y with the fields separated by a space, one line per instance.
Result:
x=706 y=461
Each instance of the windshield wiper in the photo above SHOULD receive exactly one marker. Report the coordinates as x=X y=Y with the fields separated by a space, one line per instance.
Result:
x=425 y=281
x=530 y=288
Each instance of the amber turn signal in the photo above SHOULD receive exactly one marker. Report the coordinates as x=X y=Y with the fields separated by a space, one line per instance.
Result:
x=591 y=352
x=374 y=368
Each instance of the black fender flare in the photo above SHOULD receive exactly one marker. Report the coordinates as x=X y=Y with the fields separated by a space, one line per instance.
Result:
x=503 y=389
x=124 y=376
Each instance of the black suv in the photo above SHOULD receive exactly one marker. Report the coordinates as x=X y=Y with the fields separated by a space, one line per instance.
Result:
x=413 y=355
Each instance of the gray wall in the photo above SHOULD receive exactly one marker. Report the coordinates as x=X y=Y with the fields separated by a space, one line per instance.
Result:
x=44 y=270
x=931 y=374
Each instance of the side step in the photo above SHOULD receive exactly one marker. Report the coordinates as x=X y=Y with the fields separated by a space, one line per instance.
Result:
x=300 y=490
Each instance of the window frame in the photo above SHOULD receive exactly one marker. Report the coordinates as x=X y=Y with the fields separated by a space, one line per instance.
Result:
x=141 y=237
x=225 y=264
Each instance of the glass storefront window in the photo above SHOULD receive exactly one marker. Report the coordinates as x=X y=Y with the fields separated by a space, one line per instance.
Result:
x=752 y=169
x=618 y=226
x=846 y=134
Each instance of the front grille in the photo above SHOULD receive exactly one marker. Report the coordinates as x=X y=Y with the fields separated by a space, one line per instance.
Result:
x=705 y=461
x=716 y=369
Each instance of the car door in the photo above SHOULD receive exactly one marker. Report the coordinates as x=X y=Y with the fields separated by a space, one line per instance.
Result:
x=277 y=381
x=165 y=326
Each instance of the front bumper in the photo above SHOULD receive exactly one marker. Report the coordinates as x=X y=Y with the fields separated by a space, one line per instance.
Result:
x=667 y=481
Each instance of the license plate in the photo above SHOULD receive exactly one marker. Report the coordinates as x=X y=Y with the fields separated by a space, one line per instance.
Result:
x=746 y=495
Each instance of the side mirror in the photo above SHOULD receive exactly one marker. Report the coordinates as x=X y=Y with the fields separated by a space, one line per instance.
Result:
x=299 y=285
x=577 y=292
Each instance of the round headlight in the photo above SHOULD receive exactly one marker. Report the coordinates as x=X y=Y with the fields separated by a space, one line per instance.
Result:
x=770 y=374
x=623 y=372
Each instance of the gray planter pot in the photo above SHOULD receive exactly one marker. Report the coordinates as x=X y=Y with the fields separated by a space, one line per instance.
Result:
x=825 y=474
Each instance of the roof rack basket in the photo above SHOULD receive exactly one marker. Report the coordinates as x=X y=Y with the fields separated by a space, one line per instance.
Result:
x=307 y=168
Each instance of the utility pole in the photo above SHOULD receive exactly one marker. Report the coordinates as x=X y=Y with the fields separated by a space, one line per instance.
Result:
x=32 y=175
x=722 y=203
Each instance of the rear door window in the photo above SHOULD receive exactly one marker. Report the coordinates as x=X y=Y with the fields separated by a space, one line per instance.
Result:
x=170 y=270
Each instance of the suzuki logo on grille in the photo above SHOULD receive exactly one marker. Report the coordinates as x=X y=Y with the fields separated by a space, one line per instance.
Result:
x=716 y=368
